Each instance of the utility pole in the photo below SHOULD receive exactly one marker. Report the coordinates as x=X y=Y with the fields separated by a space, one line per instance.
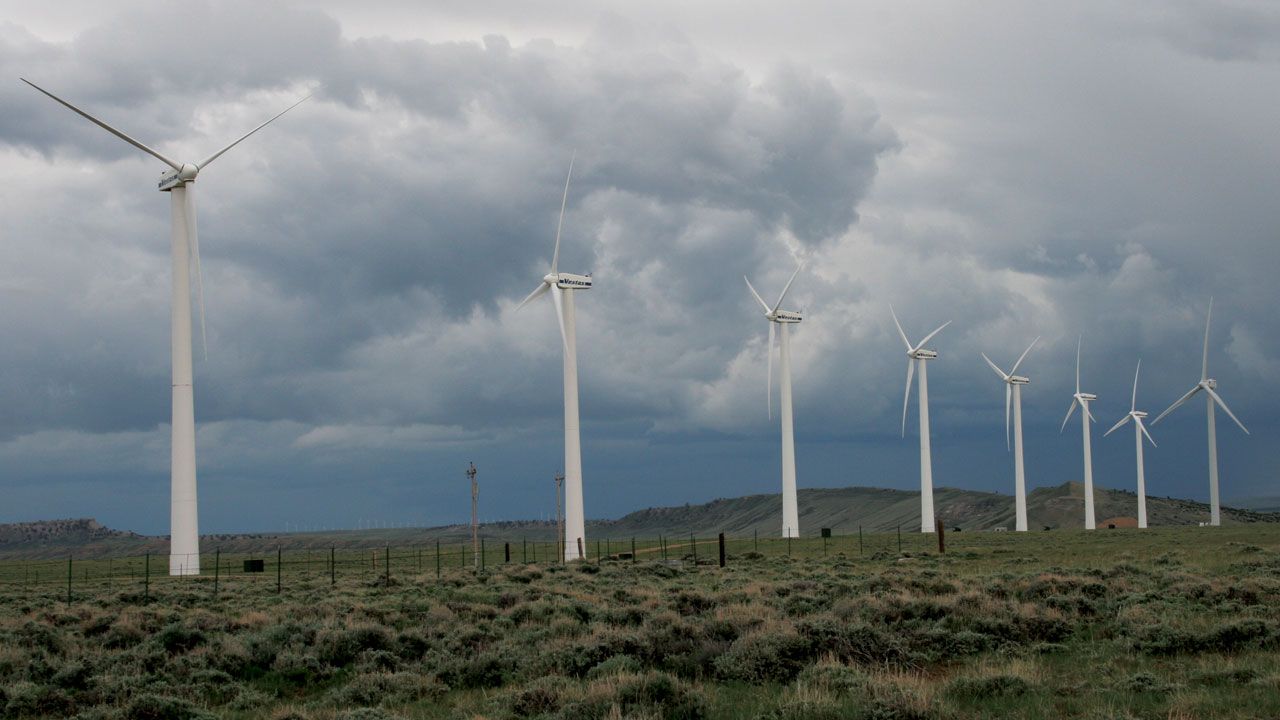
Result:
x=475 y=518
x=560 y=513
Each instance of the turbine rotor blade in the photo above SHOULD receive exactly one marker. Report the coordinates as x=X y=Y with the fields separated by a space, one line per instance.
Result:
x=929 y=337
x=1204 y=365
x=911 y=370
x=1143 y=428
x=555 y=255
x=994 y=367
x=1118 y=425
x=901 y=334
x=1133 y=403
x=243 y=137
x=1178 y=402
x=769 y=376
x=171 y=163
x=1008 y=397
x=559 y=303
x=543 y=287
x=1023 y=356
x=1088 y=412
x=193 y=239
x=1079 y=342
x=763 y=304
x=787 y=287
x=1218 y=399
x=1070 y=411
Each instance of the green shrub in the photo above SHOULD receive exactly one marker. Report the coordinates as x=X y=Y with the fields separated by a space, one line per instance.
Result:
x=159 y=707
x=340 y=647
x=543 y=696
x=177 y=639
x=986 y=688
x=31 y=700
x=616 y=665
x=765 y=657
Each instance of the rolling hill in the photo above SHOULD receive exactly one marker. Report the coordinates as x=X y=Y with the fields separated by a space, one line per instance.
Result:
x=843 y=510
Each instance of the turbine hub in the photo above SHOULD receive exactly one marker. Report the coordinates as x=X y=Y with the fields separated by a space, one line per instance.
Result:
x=188 y=172
x=1209 y=383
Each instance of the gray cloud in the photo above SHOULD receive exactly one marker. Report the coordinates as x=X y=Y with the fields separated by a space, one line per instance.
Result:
x=363 y=256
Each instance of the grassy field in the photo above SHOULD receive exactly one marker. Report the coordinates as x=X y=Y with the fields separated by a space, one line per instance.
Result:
x=1166 y=623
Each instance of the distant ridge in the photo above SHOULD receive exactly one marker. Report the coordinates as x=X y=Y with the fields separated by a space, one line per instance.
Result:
x=843 y=510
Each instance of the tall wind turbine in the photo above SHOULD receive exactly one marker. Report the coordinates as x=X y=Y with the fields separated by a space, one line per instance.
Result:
x=1139 y=430
x=1209 y=386
x=917 y=355
x=1086 y=417
x=783 y=318
x=178 y=181
x=1013 y=383
x=562 y=286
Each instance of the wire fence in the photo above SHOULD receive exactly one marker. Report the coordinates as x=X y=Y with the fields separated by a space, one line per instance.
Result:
x=138 y=577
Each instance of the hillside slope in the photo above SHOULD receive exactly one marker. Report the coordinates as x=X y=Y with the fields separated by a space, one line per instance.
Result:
x=843 y=510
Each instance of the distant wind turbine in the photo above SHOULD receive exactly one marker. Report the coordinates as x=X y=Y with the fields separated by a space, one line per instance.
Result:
x=1139 y=430
x=562 y=286
x=1086 y=417
x=783 y=318
x=1209 y=386
x=916 y=354
x=1013 y=383
x=178 y=181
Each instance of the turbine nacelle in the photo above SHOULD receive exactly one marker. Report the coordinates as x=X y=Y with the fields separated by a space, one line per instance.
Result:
x=1018 y=380
x=1086 y=397
x=1138 y=414
x=923 y=354
x=784 y=316
x=170 y=179
x=568 y=281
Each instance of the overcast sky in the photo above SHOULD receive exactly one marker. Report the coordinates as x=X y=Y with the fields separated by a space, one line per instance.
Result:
x=1018 y=168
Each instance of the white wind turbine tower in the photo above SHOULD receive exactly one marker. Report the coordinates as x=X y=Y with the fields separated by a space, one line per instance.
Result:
x=1013 y=383
x=1139 y=430
x=562 y=286
x=916 y=354
x=1209 y=386
x=1086 y=417
x=783 y=318
x=178 y=181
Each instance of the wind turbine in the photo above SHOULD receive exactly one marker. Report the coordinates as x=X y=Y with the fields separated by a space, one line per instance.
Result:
x=1083 y=400
x=916 y=354
x=178 y=181
x=1013 y=383
x=1209 y=386
x=1138 y=430
x=562 y=286
x=783 y=318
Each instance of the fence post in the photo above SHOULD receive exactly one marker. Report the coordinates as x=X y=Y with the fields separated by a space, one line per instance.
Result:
x=506 y=552
x=481 y=554
x=437 y=559
x=146 y=580
x=333 y=568
x=859 y=541
x=68 y=579
x=388 y=563
x=755 y=538
x=279 y=555
x=899 y=538
x=721 y=549
x=942 y=545
x=633 y=549
x=582 y=554
x=824 y=544
x=788 y=544
x=524 y=551
x=694 y=544
x=217 y=568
